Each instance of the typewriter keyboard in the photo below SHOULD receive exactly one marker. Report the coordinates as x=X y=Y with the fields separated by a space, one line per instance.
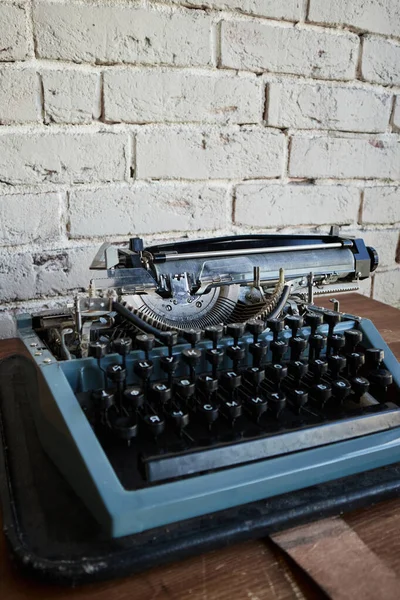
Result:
x=233 y=395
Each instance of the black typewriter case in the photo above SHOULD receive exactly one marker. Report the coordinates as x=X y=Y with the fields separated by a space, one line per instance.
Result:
x=53 y=537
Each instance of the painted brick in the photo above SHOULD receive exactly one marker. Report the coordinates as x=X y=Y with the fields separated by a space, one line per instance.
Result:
x=381 y=60
x=62 y=157
x=345 y=157
x=328 y=106
x=60 y=271
x=7 y=325
x=168 y=152
x=148 y=208
x=29 y=218
x=387 y=287
x=14 y=37
x=117 y=33
x=290 y=10
x=17 y=279
x=19 y=96
x=266 y=205
x=71 y=96
x=261 y=46
x=370 y=15
x=145 y=96
x=381 y=205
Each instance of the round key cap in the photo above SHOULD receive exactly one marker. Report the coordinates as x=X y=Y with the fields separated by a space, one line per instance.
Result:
x=276 y=402
x=374 y=357
x=125 y=428
x=214 y=333
x=207 y=384
x=161 y=392
x=278 y=349
x=381 y=378
x=191 y=356
x=154 y=423
x=208 y=411
x=336 y=364
x=297 y=346
x=313 y=320
x=256 y=405
x=185 y=388
x=133 y=397
x=231 y=409
x=317 y=343
x=353 y=337
x=318 y=368
x=122 y=346
x=276 y=372
x=103 y=400
x=254 y=375
x=231 y=380
x=144 y=369
x=116 y=372
x=258 y=350
x=298 y=398
x=255 y=327
x=169 y=364
x=236 y=353
x=145 y=342
x=294 y=322
x=336 y=342
x=97 y=349
x=276 y=326
x=331 y=318
x=360 y=386
x=297 y=369
x=236 y=330
x=341 y=388
x=215 y=356
x=355 y=360
x=179 y=419
x=321 y=392
x=193 y=336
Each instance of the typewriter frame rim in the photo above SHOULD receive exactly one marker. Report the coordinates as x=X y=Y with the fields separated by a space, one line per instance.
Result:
x=122 y=512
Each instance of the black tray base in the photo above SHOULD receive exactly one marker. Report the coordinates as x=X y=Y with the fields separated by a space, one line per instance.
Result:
x=52 y=536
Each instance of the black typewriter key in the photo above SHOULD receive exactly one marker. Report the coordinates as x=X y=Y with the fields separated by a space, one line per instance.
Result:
x=313 y=320
x=276 y=402
x=193 y=336
x=276 y=326
x=360 y=386
x=145 y=342
x=133 y=397
x=276 y=373
x=255 y=376
x=294 y=322
x=124 y=427
x=154 y=423
x=236 y=354
x=258 y=350
x=331 y=318
x=255 y=327
x=298 y=398
x=316 y=343
x=321 y=393
x=214 y=333
x=318 y=368
x=297 y=346
x=178 y=418
x=214 y=356
x=256 y=406
x=116 y=372
x=297 y=369
x=380 y=380
x=231 y=380
x=355 y=361
x=335 y=343
x=170 y=339
x=373 y=358
x=97 y=349
x=208 y=412
x=336 y=363
x=278 y=349
x=160 y=392
x=353 y=338
x=236 y=331
x=185 y=388
x=169 y=365
x=122 y=345
x=341 y=389
x=102 y=399
x=192 y=357
x=207 y=384
x=144 y=369
x=231 y=409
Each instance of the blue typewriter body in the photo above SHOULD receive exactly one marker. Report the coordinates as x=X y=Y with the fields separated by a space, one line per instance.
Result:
x=235 y=420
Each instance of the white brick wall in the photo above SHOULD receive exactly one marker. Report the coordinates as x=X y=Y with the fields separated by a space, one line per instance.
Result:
x=174 y=118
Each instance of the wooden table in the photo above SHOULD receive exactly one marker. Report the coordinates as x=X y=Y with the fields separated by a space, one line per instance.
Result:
x=353 y=556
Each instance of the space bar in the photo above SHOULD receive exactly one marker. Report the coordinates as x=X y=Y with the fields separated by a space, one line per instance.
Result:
x=172 y=466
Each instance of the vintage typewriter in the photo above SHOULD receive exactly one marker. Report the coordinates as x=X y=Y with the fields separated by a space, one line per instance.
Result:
x=197 y=377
